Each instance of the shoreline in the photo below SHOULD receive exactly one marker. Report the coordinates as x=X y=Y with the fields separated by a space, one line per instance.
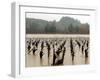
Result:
x=55 y=35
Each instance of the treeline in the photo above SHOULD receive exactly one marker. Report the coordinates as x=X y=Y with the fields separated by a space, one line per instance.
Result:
x=64 y=26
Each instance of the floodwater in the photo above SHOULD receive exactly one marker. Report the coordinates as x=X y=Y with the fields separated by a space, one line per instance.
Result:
x=34 y=60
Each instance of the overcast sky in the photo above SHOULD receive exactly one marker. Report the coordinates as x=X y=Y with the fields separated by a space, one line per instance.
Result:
x=57 y=17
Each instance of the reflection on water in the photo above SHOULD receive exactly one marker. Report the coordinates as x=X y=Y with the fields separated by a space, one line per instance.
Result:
x=56 y=51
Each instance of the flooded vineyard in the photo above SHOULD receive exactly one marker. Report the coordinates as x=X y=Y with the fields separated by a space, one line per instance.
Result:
x=56 y=51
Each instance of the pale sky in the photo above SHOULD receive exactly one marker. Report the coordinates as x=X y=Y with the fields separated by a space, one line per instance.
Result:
x=57 y=17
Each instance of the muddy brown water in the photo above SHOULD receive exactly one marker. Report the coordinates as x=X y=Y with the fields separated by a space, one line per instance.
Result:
x=35 y=61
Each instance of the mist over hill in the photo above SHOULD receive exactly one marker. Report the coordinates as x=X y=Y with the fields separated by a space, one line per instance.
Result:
x=66 y=25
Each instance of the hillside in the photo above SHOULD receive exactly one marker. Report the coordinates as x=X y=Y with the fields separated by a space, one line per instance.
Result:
x=66 y=25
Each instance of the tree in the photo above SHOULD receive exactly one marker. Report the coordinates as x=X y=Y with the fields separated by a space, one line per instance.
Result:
x=84 y=28
x=53 y=27
x=50 y=28
x=70 y=28
x=47 y=27
x=76 y=29
x=34 y=27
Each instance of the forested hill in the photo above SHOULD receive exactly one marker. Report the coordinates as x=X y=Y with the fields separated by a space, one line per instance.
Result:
x=65 y=25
